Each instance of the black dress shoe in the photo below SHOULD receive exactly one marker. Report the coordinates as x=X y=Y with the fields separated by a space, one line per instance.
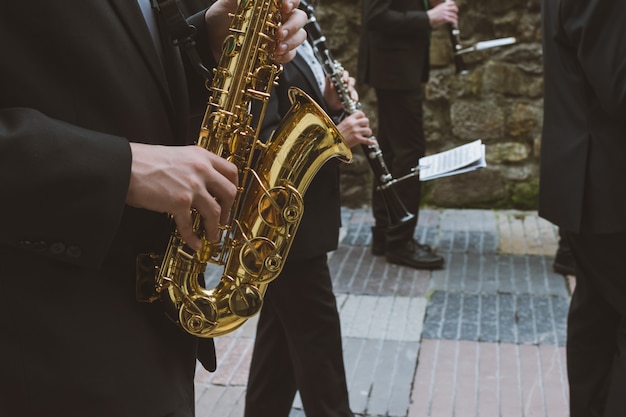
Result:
x=415 y=255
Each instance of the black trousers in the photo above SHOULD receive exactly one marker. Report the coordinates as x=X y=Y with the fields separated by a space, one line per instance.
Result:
x=298 y=346
x=596 y=335
x=402 y=142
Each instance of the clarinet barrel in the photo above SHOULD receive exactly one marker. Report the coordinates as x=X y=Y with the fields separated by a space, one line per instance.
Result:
x=455 y=39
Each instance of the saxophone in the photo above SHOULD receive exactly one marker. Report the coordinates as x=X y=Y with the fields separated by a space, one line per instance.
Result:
x=396 y=211
x=273 y=178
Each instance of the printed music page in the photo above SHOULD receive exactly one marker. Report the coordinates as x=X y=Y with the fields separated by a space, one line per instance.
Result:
x=464 y=158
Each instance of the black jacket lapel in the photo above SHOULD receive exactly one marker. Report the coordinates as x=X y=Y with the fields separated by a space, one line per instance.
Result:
x=130 y=13
x=300 y=63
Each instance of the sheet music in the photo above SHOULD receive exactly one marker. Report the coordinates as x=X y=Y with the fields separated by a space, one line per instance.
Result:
x=464 y=158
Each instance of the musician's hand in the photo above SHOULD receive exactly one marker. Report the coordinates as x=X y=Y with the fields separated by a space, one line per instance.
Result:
x=446 y=12
x=175 y=179
x=333 y=101
x=290 y=33
x=355 y=129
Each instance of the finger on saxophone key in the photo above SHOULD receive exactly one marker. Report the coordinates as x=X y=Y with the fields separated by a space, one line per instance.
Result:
x=291 y=34
x=175 y=179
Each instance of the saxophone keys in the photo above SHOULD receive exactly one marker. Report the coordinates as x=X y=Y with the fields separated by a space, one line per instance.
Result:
x=198 y=315
x=246 y=300
x=255 y=253
x=281 y=205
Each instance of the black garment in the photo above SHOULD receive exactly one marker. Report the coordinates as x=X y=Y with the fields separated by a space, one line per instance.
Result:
x=401 y=140
x=298 y=346
x=596 y=334
x=394 y=44
x=582 y=188
x=583 y=146
x=394 y=59
x=78 y=81
x=564 y=262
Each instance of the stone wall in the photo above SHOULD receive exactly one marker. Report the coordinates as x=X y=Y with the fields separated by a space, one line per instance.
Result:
x=499 y=101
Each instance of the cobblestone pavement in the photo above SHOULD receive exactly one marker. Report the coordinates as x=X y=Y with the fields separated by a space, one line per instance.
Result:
x=483 y=337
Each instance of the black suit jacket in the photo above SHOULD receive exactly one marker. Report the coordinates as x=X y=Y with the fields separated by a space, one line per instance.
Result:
x=394 y=44
x=583 y=151
x=78 y=81
x=318 y=231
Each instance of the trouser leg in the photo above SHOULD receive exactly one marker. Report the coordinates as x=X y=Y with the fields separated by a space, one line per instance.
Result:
x=596 y=341
x=305 y=308
x=271 y=383
x=401 y=140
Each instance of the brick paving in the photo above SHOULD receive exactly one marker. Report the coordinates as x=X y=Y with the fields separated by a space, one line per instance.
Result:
x=483 y=337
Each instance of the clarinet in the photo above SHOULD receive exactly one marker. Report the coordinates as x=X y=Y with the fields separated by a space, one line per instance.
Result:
x=455 y=39
x=396 y=210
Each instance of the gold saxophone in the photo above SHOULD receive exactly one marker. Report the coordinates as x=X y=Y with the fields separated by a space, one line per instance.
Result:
x=273 y=178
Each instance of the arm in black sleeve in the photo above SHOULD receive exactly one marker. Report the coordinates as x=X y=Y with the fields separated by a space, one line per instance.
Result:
x=60 y=183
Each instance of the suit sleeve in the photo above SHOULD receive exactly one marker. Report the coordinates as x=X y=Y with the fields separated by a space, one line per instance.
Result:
x=64 y=187
x=202 y=41
x=381 y=16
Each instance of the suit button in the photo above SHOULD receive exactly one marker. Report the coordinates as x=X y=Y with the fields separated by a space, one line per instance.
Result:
x=57 y=248
x=24 y=244
x=74 y=252
x=40 y=246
